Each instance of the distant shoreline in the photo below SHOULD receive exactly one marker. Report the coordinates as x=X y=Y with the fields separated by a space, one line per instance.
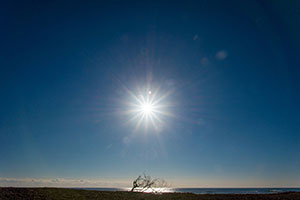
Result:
x=268 y=190
x=8 y=193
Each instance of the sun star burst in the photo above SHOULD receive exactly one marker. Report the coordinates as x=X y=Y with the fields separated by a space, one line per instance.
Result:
x=147 y=108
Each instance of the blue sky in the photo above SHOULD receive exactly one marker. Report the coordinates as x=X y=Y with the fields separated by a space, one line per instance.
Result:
x=229 y=71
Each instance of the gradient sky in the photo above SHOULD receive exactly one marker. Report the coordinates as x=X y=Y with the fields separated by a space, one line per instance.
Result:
x=231 y=69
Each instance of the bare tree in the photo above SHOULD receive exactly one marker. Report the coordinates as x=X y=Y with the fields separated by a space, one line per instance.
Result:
x=145 y=183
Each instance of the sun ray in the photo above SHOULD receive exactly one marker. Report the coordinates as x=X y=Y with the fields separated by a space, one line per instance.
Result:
x=138 y=124
x=163 y=97
x=166 y=114
x=155 y=94
x=132 y=94
x=152 y=122
x=134 y=117
x=156 y=117
x=148 y=107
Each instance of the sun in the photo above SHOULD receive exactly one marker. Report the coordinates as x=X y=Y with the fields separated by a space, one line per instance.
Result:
x=146 y=108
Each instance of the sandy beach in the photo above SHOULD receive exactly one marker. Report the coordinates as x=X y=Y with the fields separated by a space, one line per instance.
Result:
x=64 y=194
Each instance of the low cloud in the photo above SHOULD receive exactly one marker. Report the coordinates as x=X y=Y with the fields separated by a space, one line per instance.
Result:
x=61 y=182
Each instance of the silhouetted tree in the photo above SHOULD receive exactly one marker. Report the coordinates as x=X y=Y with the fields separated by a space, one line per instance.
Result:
x=146 y=183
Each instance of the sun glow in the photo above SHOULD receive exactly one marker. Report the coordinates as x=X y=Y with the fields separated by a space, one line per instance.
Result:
x=147 y=108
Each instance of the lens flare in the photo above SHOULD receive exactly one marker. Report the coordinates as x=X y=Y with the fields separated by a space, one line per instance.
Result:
x=148 y=108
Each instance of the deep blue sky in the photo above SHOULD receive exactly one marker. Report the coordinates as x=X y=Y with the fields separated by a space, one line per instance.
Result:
x=233 y=67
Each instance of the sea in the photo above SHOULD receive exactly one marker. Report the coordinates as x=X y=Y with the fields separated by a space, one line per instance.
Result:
x=211 y=190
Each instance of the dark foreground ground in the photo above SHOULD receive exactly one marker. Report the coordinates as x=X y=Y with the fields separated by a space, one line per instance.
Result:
x=59 y=193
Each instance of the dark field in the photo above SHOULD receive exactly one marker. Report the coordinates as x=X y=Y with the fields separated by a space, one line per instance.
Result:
x=59 y=193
